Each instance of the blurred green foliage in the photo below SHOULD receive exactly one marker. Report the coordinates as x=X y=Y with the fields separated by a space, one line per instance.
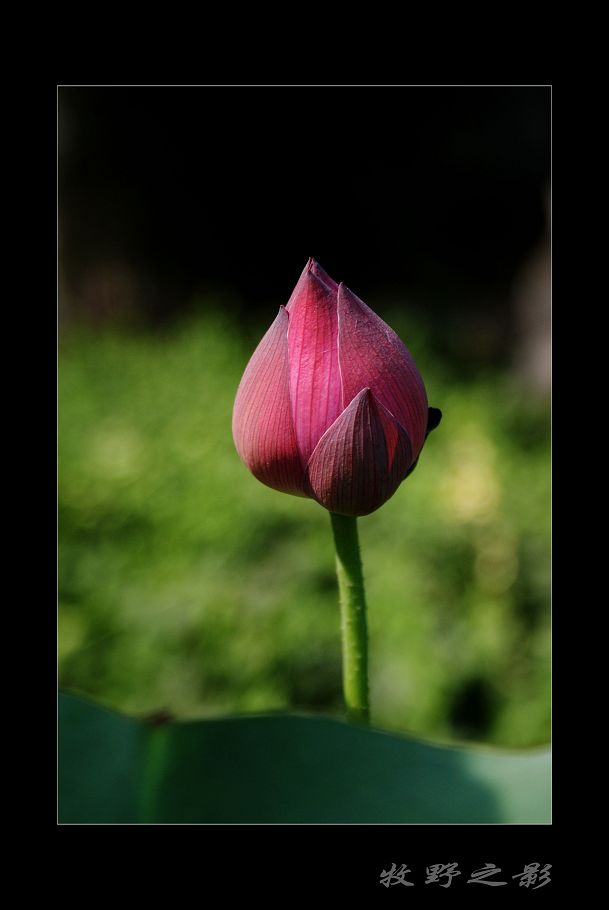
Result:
x=186 y=585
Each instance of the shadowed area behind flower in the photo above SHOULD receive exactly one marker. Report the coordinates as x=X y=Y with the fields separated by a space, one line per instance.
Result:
x=187 y=586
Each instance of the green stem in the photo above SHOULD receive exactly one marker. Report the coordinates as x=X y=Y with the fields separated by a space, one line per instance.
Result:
x=353 y=617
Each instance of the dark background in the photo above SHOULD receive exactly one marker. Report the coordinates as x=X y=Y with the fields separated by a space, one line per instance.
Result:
x=436 y=195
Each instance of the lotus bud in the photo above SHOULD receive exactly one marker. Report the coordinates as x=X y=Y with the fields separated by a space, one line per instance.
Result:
x=331 y=405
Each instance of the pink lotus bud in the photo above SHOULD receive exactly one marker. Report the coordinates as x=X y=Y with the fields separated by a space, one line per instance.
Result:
x=331 y=405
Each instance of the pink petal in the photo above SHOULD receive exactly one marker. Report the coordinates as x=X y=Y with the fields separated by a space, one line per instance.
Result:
x=371 y=355
x=262 y=417
x=299 y=285
x=315 y=384
x=323 y=276
x=316 y=269
x=361 y=460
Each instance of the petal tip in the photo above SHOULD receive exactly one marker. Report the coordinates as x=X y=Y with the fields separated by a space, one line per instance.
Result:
x=323 y=276
x=433 y=419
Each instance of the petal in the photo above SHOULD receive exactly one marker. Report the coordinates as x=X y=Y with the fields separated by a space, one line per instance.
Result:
x=361 y=460
x=262 y=417
x=316 y=269
x=315 y=384
x=323 y=276
x=372 y=356
x=433 y=420
x=299 y=285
